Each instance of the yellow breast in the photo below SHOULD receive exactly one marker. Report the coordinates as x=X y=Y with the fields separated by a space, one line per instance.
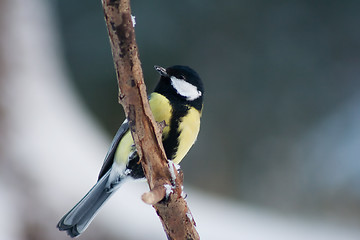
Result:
x=160 y=106
x=161 y=109
x=189 y=127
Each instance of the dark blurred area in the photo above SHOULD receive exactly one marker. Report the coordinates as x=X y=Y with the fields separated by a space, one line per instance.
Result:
x=273 y=71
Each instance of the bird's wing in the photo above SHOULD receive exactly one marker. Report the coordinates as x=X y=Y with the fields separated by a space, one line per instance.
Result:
x=115 y=142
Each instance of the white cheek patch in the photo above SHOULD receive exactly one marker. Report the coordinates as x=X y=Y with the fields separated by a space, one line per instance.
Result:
x=185 y=89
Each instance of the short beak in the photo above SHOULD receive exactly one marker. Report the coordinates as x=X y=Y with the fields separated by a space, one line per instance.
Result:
x=161 y=70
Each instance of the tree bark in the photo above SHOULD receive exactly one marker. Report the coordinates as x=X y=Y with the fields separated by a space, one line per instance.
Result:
x=164 y=180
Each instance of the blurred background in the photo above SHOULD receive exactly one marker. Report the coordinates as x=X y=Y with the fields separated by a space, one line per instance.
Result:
x=281 y=125
x=274 y=73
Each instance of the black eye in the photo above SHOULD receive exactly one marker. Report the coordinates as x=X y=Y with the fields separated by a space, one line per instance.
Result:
x=181 y=77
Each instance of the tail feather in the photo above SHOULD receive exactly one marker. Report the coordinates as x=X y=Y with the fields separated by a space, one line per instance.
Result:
x=78 y=219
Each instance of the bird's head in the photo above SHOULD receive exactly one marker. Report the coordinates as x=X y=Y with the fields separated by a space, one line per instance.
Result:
x=184 y=80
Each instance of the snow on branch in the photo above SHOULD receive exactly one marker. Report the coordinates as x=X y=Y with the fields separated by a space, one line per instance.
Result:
x=169 y=205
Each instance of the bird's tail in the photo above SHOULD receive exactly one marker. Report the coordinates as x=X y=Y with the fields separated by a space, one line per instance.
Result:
x=78 y=219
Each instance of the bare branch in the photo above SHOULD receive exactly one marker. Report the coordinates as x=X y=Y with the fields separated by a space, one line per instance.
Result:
x=173 y=211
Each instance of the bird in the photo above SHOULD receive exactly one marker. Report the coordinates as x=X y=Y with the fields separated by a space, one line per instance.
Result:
x=178 y=101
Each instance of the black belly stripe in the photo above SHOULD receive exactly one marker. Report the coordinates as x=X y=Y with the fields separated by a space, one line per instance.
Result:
x=171 y=141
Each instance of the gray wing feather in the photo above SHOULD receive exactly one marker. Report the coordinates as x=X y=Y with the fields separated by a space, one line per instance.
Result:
x=115 y=142
x=79 y=217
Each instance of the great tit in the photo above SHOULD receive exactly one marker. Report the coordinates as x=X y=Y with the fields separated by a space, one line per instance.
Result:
x=177 y=100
